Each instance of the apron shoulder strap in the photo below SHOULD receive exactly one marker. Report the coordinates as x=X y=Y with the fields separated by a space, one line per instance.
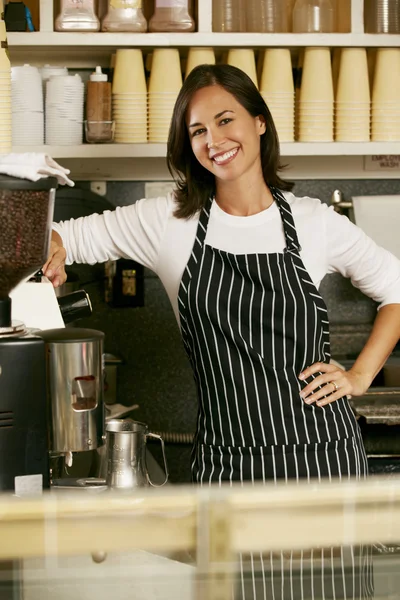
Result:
x=289 y=228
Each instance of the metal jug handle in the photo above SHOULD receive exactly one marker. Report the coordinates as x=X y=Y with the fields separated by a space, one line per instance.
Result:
x=157 y=437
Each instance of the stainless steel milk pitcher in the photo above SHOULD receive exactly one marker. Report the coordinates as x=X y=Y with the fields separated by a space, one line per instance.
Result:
x=126 y=454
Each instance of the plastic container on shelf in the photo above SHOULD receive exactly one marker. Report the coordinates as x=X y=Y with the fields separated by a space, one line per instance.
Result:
x=171 y=15
x=98 y=100
x=229 y=16
x=313 y=16
x=124 y=15
x=77 y=16
x=266 y=16
x=382 y=16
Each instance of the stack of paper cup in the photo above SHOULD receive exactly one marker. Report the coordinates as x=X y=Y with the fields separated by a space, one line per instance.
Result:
x=277 y=89
x=353 y=105
x=64 y=110
x=27 y=106
x=199 y=56
x=385 y=96
x=315 y=114
x=129 y=92
x=164 y=86
x=48 y=71
x=5 y=97
x=244 y=59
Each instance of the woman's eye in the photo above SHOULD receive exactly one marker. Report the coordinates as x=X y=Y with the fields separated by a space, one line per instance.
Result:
x=225 y=121
x=197 y=132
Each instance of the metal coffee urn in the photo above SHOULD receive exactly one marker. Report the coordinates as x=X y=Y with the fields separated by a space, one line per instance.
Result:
x=74 y=359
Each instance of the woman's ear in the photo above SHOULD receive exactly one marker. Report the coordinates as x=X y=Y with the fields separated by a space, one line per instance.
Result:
x=261 y=125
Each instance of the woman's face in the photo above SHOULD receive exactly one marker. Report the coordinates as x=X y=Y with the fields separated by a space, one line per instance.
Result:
x=224 y=137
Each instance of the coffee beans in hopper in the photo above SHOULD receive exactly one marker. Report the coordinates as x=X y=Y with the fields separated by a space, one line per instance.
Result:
x=24 y=235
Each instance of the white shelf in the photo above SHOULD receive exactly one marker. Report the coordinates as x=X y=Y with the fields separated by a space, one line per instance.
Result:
x=111 y=151
x=99 y=150
x=223 y=40
x=339 y=148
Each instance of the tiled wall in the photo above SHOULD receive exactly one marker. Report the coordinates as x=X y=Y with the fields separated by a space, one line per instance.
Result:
x=156 y=374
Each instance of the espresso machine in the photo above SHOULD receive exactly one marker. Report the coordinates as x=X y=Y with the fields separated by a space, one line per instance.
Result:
x=51 y=392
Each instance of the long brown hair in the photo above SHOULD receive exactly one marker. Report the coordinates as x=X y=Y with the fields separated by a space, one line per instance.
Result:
x=195 y=184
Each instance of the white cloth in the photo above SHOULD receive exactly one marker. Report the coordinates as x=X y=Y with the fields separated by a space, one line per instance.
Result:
x=34 y=166
x=148 y=232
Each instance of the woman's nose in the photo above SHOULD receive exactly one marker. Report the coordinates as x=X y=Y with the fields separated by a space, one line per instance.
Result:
x=214 y=141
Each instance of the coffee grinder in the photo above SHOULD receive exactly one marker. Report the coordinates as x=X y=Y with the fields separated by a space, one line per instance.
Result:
x=26 y=211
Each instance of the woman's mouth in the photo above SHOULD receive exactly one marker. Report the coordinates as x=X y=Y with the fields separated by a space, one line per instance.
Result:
x=226 y=157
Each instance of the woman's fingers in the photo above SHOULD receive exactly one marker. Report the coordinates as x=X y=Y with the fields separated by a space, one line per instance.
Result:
x=316 y=368
x=54 y=269
x=329 y=385
x=321 y=380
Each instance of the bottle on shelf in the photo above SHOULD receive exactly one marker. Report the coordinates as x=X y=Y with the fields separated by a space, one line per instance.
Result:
x=98 y=124
x=77 y=16
x=229 y=16
x=172 y=15
x=124 y=15
x=313 y=16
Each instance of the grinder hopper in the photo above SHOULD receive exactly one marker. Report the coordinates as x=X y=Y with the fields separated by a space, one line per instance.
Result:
x=26 y=212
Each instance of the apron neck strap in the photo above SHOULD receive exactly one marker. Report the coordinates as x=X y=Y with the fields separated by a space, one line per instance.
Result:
x=289 y=228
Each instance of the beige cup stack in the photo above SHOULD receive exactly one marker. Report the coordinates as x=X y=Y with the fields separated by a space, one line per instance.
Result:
x=164 y=86
x=277 y=89
x=199 y=56
x=352 y=115
x=385 y=96
x=129 y=97
x=5 y=96
x=315 y=110
x=244 y=59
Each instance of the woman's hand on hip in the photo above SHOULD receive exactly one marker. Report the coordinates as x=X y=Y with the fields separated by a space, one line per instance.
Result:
x=334 y=383
x=54 y=268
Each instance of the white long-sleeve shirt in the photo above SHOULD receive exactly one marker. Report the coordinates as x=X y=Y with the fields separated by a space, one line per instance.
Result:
x=148 y=233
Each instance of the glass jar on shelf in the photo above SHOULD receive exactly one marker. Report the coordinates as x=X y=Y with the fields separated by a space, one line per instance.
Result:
x=266 y=16
x=229 y=16
x=124 y=15
x=77 y=15
x=172 y=15
x=313 y=16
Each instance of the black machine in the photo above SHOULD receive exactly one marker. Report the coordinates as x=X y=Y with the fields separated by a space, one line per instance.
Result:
x=26 y=210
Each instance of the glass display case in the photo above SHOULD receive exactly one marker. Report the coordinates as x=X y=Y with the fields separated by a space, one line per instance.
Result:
x=305 y=541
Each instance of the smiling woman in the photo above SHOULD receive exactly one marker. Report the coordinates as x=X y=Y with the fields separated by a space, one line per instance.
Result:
x=242 y=259
x=219 y=110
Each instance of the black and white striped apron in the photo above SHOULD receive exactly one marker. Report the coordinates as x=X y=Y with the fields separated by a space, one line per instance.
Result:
x=250 y=324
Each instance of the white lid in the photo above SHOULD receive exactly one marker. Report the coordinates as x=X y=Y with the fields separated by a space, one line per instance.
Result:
x=98 y=75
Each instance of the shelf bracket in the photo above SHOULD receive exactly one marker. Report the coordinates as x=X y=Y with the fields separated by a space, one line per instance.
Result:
x=205 y=16
x=46 y=15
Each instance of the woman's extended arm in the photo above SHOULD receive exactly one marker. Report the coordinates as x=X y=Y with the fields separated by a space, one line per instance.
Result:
x=134 y=231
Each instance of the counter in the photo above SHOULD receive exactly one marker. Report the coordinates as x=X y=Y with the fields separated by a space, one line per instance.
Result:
x=151 y=536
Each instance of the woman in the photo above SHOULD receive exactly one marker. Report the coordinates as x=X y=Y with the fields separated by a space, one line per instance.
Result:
x=241 y=259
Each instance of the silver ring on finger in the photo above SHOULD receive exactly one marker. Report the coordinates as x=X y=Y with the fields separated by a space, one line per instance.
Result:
x=335 y=385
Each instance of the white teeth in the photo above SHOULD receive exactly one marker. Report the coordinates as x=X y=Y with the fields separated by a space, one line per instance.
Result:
x=225 y=156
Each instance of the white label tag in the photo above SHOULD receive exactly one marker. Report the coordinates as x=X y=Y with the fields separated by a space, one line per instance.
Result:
x=382 y=162
x=28 y=485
